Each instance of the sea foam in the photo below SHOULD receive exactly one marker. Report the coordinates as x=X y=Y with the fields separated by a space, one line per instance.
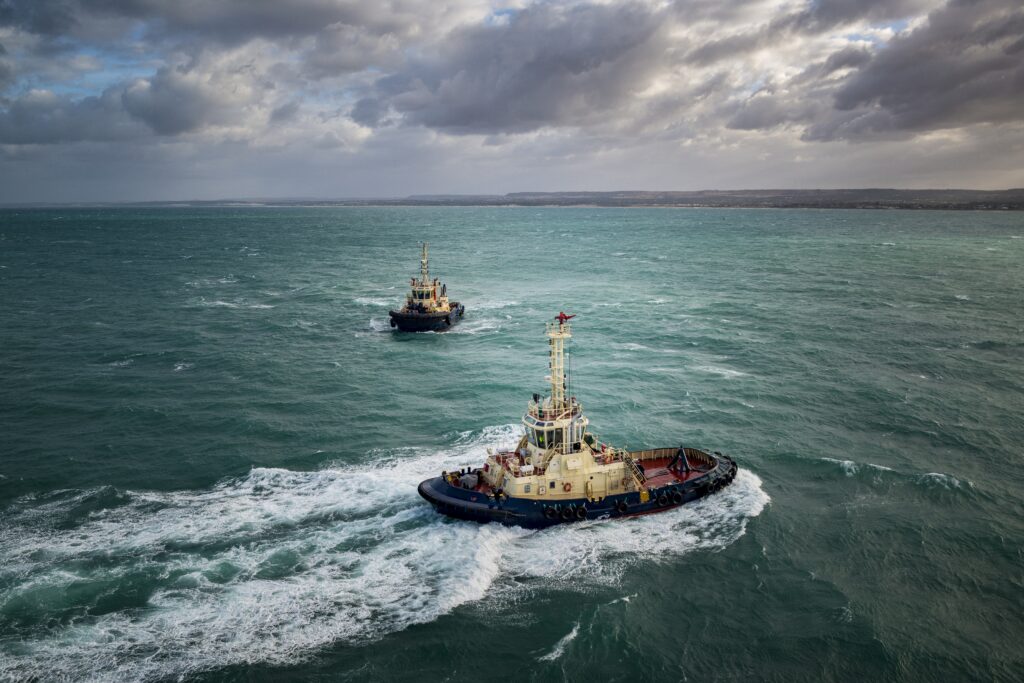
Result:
x=269 y=566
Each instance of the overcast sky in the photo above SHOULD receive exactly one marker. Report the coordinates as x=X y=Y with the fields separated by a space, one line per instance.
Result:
x=107 y=100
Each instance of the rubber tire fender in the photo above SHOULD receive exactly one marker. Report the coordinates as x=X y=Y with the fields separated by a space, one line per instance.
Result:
x=677 y=497
x=663 y=500
x=581 y=512
x=566 y=514
x=622 y=507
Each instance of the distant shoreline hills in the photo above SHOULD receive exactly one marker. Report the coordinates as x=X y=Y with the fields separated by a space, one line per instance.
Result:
x=993 y=200
x=970 y=200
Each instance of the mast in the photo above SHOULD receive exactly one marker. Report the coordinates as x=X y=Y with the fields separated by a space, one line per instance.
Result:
x=557 y=334
x=424 y=275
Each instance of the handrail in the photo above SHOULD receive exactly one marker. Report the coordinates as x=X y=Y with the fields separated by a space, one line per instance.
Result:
x=634 y=469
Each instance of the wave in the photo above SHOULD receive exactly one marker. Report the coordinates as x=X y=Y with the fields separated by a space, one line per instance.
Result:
x=475 y=326
x=717 y=370
x=380 y=325
x=851 y=468
x=936 y=481
x=492 y=305
x=559 y=648
x=270 y=566
x=374 y=301
x=210 y=281
x=219 y=303
x=946 y=481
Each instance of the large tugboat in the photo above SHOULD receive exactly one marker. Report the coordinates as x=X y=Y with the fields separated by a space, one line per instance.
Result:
x=560 y=472
x=427 y=307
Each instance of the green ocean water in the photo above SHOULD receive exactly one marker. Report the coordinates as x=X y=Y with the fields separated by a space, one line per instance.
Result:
x=210 y=441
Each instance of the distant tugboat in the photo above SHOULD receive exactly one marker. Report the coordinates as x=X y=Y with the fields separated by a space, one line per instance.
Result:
x=559 y=472
x=427 y=307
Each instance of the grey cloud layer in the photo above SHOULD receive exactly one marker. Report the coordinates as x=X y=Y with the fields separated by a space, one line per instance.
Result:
x=596 y=78
x=549 y=66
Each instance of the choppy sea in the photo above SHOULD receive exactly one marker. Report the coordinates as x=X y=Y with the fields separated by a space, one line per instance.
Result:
x=210 y=441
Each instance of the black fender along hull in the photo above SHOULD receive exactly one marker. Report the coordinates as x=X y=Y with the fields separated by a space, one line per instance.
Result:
x=531 y=513
x=426 y=322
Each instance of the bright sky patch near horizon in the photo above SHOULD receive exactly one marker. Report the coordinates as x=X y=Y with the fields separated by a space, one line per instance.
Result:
x=131 y=100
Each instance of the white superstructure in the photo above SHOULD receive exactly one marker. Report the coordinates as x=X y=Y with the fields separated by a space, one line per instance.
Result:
x=557 y=458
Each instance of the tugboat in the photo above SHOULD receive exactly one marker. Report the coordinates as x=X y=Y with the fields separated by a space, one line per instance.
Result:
x=427 y=307
x=559 y=472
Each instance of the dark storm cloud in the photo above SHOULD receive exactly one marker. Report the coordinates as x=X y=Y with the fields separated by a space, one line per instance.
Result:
x=6 y=69
x=845 y=58
x=816 y=17
x=821 y=15
x=44 y=118
x=548 y=66
x=43 y=17
x=965 y=65
x=171 y=104
x=226 y=20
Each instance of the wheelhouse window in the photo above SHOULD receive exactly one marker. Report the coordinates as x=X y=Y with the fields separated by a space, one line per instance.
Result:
x=545 y=438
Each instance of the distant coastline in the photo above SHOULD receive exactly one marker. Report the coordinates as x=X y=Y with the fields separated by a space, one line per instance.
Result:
x=961 y=200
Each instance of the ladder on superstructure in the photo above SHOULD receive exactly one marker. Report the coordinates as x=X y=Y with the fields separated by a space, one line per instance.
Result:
x=634 y=469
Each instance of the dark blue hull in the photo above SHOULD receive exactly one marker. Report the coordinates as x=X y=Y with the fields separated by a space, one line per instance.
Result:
x=536 y=514
x=408 y=321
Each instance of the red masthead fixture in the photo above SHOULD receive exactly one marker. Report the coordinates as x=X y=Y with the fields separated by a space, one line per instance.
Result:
x=562 y=317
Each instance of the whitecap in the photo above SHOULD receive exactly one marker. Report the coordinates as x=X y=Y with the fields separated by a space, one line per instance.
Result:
x=944 y=480
x=491 y=305
x=559 y=648
x=380 y=325
x=220 y=303
x=474 y=326
x=848 y=466
x=716 y=370
x=373 y=301
x=181 y=366
x=631 y=346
